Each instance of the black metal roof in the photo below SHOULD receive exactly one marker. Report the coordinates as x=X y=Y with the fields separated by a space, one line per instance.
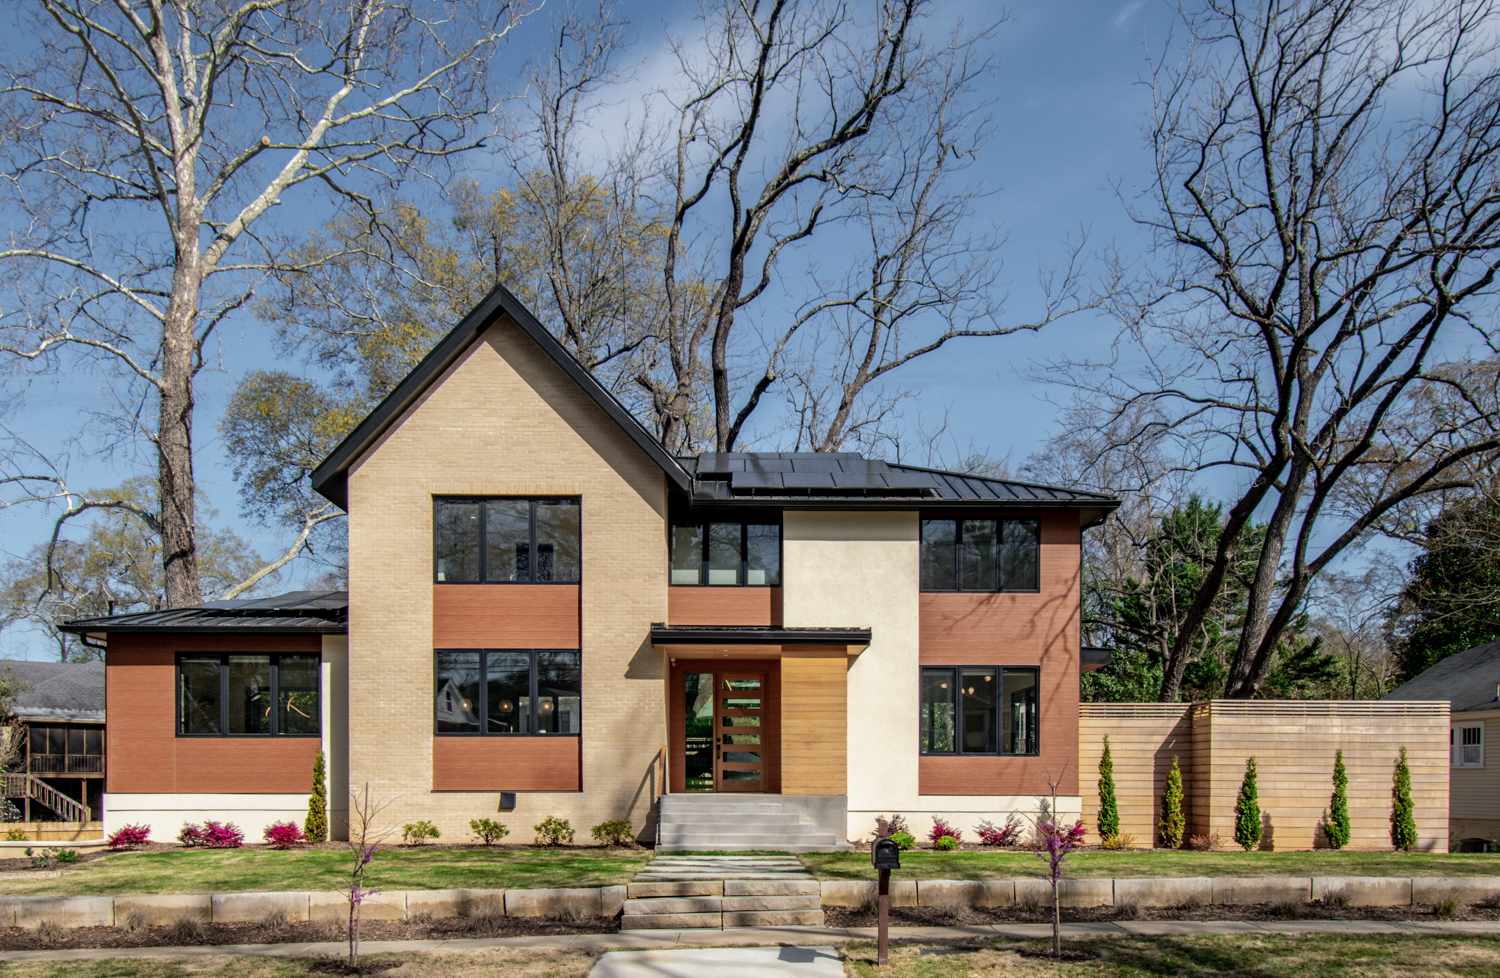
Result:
x=755 y=635
x=296 y=612
x=1468 y=680
x=331 y=477
x=59 y=690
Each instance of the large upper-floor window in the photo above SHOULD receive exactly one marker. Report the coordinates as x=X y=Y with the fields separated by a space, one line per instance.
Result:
x=726 y=553
x=979 y=710
x=247 y=695
x=980 y=555
x=506 y=541
x=507 y=691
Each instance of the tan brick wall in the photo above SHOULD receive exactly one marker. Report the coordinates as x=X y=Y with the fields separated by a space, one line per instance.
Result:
x=506 y=420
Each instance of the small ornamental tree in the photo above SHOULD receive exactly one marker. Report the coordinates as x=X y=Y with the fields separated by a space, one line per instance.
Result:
x=1403 y=817
x=1336 y=827
x=1055 y=843
x=315 y=827
x=1172 y=823
x=1247 y=810
x=1109 y=809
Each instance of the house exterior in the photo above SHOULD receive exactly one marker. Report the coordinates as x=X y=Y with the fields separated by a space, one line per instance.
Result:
x=544 y=602
x=1470 y=683
x=62 y=711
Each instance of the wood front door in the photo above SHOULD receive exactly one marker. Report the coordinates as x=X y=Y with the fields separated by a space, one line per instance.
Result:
x=739 y=729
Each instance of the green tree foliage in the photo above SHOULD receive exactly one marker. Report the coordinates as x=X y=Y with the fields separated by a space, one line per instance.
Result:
x=316 y=825
x=1172 y=823
x=1336 y=826
x=1403 y=812
x=1109 y=810
x=1247 y=810
x=1452 y=602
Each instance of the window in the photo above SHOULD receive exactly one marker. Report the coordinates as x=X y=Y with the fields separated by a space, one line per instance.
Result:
x=506 y=541
x=978 y=710
x=1466 y=745
x=980 y=555
x=726 y=553
x=246 y=695
x=507 y=691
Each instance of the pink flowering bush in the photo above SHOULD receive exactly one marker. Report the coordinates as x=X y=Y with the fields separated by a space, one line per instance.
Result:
x=941 y=829
x=191 y=835
x=225 y=836
x=1008 y=834
x=284 y=835
x=130 y=835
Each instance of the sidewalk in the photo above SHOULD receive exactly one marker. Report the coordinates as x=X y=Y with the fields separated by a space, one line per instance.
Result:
x=772 y=936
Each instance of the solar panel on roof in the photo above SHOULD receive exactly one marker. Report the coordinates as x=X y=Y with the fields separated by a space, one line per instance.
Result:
x=808 y=480
x=757 y=480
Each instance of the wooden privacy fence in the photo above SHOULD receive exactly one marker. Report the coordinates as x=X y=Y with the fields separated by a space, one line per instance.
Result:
x=1293 y=742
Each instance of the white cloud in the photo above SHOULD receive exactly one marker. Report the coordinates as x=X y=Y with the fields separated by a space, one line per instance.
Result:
x=1126 y=13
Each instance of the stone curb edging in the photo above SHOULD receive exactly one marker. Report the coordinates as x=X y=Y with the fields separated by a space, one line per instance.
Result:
x=607 y=901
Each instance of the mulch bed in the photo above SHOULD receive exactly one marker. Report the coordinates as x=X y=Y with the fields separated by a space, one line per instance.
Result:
x=444 y=928
x=960 y=916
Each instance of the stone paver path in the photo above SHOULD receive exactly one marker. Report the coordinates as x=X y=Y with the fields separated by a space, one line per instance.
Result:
x=680 y=868
x=723 y=962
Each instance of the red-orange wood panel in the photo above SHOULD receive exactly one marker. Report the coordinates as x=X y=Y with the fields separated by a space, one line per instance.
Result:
x=1015 y=629
x=506 y=764
x=724 y=606
x=505 y=616
x=770 y=740
x=145 y=755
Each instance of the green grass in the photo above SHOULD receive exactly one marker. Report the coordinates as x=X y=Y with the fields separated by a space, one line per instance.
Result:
x=1240 y=956
x=519 y=962
x=1009 y=864
x=250 y=870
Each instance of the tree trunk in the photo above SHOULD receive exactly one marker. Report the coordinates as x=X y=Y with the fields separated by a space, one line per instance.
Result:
x=174 y=440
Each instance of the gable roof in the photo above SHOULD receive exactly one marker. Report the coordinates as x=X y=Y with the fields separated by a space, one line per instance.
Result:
x=59 y=690
x=1468 y=680
x=293 y=613
x=331 y=477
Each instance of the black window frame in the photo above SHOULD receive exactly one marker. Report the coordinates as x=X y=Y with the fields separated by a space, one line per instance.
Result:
x=954 y=684
x=483 y=700
x=532 y=562
x=958 y=564
x=275 y=693
x=703 y=548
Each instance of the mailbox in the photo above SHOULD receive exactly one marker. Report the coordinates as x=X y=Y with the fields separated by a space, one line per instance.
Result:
x=885 y=854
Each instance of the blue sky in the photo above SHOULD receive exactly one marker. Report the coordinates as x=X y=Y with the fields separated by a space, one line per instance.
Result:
x=1068 y=109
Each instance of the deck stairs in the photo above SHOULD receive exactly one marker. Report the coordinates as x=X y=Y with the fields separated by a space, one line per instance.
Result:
x=715 y=892
x=738 y=823
x=28 y=786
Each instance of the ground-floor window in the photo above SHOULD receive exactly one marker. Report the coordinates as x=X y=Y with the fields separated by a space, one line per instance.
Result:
x=979 y=710
x=248 y=695
x=507 y=691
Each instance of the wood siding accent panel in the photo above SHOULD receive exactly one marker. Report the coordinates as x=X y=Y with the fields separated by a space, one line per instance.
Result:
x=506 y=764
x=1015 y=629
x=724 y=606
x=505 y=616
x=770 y=740
x=1293 y=743
x=145 y=755
x=814 y=723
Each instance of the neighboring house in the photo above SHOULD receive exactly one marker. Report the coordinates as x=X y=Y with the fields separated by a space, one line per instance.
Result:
x=544 y=601
x=63 y=712
x=1470 y=682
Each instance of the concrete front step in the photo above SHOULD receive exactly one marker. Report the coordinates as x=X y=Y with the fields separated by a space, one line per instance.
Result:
x=719 y=823
x=717 y=921
x=708 y=904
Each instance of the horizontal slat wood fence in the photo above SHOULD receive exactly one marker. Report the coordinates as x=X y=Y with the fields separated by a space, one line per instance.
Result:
x=1293 y=743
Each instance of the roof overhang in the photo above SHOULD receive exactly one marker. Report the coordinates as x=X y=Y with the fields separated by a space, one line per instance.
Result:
x=1090 y=659
x=768 y=640
x=331 y=477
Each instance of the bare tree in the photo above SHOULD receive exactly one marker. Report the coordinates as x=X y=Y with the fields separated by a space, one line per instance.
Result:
x=147 y=146
x=1323 y=250
x=1352 y=613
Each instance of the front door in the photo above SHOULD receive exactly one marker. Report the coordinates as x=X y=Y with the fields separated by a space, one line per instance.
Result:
x=725 y=719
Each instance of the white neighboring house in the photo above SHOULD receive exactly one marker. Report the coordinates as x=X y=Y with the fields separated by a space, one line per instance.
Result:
x=1470 y=682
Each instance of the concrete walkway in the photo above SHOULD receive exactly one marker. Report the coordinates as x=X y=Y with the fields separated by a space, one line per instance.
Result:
x=687 y=868
x=723 y=962
x=776 y=936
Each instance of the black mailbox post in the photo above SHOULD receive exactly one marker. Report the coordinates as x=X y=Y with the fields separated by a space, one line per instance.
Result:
x=885 y=855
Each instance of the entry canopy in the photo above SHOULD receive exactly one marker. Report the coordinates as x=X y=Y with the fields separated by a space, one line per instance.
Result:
x=761 y=636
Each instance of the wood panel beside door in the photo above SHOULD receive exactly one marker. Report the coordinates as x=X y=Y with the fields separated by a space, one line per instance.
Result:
x=770 y=745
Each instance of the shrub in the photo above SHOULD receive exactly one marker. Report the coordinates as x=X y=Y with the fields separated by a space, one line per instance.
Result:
x=225 y=835
x=191 y=835
x=904 y=840
x=487 y=830
x=896 y=823
x=284 y=835
x=15 y=834
x=1123 y=840
x=50 y=931
x=1403 y=817
x=942 y=830
x=1247 y=810
x=1172 y=824
x=947 y=843
x=1445 y=907
x=1205 y=843
x=1007 y=835
x=613 y=833
x=553 y=831
x=41 y=858
x=66 y=856
x=130 y=835
x=315 y=827
x=417 y=833
x=1109 y=809
x=187 y=929
x=1336 y=826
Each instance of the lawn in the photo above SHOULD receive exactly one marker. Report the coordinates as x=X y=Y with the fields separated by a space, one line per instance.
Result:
x=501 y=963
x=966 y=865
x=253 y=870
